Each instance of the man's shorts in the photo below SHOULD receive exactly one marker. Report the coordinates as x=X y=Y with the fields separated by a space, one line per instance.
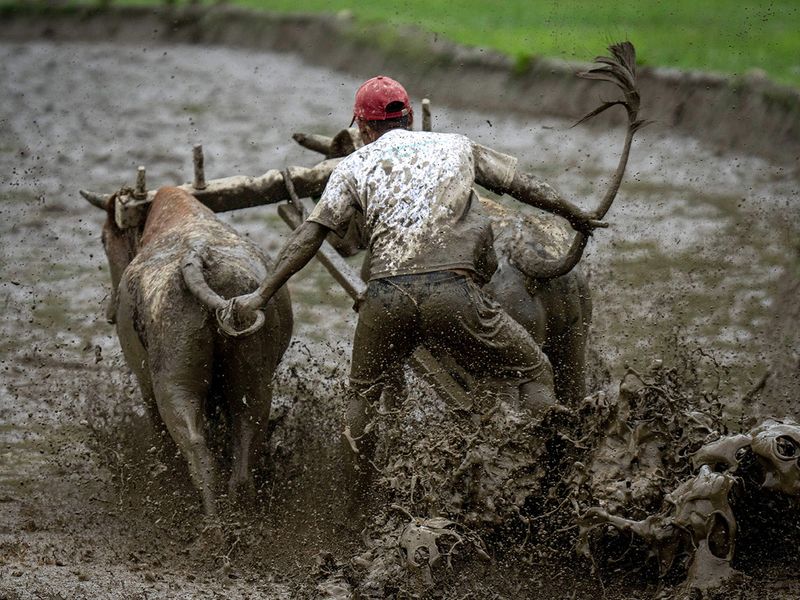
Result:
x=444 y=311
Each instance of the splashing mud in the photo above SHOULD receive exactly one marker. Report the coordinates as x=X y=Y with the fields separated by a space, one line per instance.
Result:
x=494 y=484
x=702 y=255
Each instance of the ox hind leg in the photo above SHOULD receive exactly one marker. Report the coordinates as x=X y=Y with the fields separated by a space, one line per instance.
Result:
x=181 y=384
x=137 y=360
x=509 y=287
x=567 y=354
x=246 y=380
x=567 y=348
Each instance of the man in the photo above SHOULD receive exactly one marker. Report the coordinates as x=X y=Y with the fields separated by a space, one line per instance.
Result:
x=430 y=250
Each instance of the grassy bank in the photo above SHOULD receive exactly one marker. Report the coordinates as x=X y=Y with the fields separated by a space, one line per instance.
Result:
x=729 y=36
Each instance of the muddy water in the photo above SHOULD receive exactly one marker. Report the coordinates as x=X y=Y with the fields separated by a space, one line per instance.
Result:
x=702 y=249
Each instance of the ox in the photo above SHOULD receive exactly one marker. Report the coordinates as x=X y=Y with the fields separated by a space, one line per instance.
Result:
x=551 y=300
x=168 y=276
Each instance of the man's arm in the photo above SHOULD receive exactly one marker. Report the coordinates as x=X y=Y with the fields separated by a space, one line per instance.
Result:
x=332 y=213
x=296 y=254
x=534 y=192
x=498 y=172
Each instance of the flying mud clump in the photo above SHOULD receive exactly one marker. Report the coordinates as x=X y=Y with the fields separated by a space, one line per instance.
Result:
x=691 y=501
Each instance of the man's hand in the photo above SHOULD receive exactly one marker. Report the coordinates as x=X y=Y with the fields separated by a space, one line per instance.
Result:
x=241 y=315
x=249 y=303
x=301 y=248
x=584 y=223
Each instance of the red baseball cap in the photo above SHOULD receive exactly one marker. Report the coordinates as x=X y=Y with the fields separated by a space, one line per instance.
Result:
x=374 y=97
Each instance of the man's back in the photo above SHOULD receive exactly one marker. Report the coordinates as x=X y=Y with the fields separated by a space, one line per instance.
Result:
x=414 y=190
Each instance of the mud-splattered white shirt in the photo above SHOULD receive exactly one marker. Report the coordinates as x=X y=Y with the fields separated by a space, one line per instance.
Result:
x=414 y=190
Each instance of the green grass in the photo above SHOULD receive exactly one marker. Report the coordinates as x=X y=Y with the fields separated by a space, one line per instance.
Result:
x=726 y=36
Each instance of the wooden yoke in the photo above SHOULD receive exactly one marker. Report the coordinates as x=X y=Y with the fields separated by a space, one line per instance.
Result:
x=220 y=195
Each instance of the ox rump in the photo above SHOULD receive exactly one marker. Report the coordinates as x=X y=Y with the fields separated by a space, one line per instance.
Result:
x=169 y=273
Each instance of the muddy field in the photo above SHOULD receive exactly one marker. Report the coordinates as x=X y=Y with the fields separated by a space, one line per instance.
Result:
x=702 y=252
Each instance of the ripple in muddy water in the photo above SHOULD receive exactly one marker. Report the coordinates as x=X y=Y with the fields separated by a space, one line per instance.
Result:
x=702 y=250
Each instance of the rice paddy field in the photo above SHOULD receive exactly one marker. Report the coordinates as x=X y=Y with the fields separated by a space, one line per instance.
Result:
x=726 y=36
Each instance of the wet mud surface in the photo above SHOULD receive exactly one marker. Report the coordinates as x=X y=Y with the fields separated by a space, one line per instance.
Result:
x=702 y=252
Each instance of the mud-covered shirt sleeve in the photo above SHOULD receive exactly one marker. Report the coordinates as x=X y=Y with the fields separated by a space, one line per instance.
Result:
x=338 y=202
x=493 y=170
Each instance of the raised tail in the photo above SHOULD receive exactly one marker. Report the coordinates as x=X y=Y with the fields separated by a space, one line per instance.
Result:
x=619 y=69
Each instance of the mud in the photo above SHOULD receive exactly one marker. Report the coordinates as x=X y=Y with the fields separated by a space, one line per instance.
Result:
x=691 y=515
x=702 y=253
x=747 y=113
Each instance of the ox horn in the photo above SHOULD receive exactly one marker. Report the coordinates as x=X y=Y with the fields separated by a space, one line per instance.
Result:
x=313 y=141
x=95 y=199
x=619 y=69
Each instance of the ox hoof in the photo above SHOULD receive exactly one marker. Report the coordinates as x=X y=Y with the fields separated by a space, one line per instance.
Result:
x=241 y=494
x=211 y=537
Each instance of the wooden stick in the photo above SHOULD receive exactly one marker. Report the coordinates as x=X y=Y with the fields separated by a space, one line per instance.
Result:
x=199 y=167
x=140 y=191
x=233 y=193
x=294 y=199
x=431 y=370
x=426 y=114
x=422 y=361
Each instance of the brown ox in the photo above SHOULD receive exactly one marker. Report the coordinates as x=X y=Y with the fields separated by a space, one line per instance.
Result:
x=556 y=311
x=168 y=277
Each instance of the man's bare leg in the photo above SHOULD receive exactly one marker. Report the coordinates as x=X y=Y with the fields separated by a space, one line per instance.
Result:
x=358 y=447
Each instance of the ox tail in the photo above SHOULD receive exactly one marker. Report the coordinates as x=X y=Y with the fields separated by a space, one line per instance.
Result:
x=192 y=270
